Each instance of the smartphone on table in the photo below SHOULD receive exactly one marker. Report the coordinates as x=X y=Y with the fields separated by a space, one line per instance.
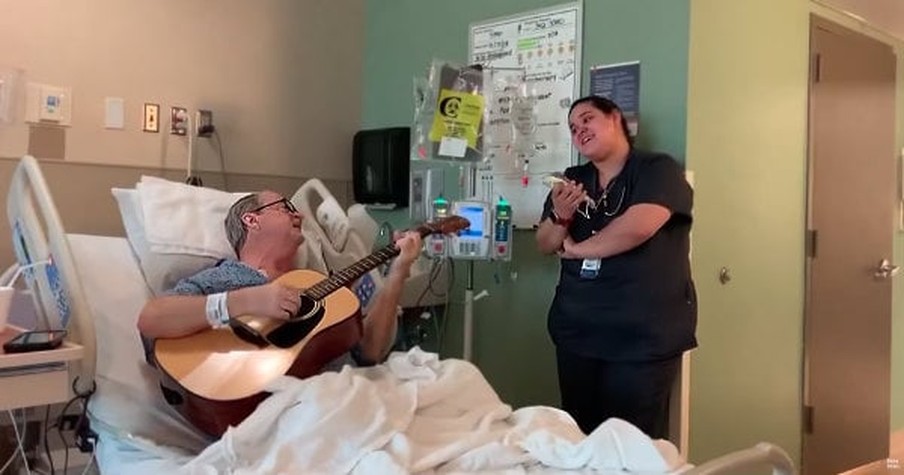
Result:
x=35 y=340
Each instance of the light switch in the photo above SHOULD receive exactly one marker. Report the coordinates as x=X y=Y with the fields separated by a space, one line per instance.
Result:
x=114 y=113
x=151 y=121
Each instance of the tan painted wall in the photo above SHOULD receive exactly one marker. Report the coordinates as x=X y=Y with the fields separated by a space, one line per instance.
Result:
x=283 y=78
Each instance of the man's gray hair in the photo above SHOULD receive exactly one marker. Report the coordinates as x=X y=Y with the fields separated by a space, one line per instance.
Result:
x=236 y=232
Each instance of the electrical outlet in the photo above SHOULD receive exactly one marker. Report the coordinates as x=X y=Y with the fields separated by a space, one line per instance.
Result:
x=151 y=118
x=69 y=422
x=85 y=437
x=204 y=123
x=178 y=120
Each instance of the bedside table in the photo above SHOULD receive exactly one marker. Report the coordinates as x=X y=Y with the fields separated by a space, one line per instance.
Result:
x=35 y=378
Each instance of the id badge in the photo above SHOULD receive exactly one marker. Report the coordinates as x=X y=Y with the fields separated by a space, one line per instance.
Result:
x=590 y=268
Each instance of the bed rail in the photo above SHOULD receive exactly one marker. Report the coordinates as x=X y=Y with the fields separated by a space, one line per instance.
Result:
x=38 y=235
x=762 y=455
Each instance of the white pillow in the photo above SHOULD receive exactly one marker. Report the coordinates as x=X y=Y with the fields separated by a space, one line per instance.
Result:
x=185 y=219
x=334 y=222
x=161 y=271
x=361 y=223
x=310 y=254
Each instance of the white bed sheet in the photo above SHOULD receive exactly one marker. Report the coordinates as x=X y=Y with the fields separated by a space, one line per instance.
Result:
x=128 y=396
x=417 y=414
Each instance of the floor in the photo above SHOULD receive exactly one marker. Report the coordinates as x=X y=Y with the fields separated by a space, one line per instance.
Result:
x=894 y=464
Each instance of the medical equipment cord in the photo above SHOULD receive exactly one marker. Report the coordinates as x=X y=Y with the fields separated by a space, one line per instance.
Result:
x=216 y=135
x=47 y=445
x=445 y=317
x=20 y=438
x=85 y=437
x=189 y=178
x=436 y=268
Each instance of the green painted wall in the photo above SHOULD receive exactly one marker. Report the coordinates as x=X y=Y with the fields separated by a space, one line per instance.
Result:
x=656 y=33
x=403 y=36
x=746 y=143
x=511 y=345
x=735 y=100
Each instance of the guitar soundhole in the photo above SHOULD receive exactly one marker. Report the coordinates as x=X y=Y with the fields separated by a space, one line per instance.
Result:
x=307 y=309
x=310 y=313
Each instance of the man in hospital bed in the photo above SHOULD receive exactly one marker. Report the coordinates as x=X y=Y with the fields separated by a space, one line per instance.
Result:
x=413 y=413
x=264 y=229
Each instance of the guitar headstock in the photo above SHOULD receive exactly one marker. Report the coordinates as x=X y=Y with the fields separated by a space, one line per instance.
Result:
x=448 y=225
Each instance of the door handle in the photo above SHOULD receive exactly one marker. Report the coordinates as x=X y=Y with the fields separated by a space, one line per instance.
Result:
x=886 y=270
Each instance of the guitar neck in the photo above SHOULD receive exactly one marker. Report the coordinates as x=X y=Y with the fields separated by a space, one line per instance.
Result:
x=351 y=273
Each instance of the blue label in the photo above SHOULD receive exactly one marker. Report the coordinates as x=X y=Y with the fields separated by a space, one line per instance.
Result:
x=501 y=230
x=364 y=289
x=54 y=280
x=60 y=297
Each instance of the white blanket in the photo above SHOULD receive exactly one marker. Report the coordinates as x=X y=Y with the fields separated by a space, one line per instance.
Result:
x=416 y=414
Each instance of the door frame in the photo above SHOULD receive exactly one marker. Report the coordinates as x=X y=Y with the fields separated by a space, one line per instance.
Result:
x=817 y=21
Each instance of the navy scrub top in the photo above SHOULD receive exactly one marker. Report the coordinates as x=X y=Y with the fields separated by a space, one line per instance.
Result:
x=642 y=305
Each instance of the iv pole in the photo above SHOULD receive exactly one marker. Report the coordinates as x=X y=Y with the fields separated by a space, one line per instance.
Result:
x=468 y=323
x=469 y=314
x=468 y=320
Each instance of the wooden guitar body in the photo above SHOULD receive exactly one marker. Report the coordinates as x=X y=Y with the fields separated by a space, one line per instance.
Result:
x=219 y=379
x=216 y=379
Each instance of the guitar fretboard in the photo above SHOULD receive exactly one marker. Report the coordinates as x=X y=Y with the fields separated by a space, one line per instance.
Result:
x=345 y=276
x=349 y=274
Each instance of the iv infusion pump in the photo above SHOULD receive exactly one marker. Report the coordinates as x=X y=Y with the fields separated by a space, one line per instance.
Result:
x=488 y=237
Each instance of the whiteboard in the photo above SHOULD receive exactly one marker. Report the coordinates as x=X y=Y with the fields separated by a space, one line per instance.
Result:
x=541 y=51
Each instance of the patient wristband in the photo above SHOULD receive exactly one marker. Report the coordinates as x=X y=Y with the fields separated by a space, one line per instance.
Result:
x=217 y=311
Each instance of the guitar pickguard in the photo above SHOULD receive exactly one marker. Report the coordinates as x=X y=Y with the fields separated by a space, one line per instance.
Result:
x=309 y=314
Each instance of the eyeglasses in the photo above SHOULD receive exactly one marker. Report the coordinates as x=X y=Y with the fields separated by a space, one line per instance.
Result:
x=287 y=205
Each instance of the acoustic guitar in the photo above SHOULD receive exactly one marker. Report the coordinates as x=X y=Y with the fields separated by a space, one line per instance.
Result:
x=216 y=378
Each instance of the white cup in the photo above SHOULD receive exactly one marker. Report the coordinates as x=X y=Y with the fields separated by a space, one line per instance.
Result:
x=6 y=298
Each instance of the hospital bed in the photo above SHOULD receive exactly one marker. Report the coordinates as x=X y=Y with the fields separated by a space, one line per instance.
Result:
x=414 y=413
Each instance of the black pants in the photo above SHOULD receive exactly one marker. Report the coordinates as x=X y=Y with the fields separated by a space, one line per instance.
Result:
x=594 y=390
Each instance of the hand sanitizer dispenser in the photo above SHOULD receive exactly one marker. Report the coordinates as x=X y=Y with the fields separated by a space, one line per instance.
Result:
x=435 y=244
x=502 y=231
